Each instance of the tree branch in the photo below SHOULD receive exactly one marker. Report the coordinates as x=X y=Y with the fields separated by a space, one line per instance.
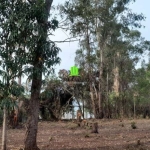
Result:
x=66 y=40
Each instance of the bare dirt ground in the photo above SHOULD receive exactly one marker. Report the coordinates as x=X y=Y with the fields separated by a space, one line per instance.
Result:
x=66 y=135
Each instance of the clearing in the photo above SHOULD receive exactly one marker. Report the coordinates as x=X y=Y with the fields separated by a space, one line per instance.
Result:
x=66 y=135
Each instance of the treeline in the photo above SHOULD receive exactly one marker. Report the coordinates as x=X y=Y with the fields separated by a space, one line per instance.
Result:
x=110 y=47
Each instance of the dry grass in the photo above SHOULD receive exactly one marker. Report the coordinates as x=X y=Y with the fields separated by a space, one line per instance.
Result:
x=113 y=135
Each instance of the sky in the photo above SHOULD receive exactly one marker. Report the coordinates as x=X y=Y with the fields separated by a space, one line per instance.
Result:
x=67 y=53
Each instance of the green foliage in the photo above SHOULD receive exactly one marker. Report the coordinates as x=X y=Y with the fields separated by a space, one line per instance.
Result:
x=16 y=89
x=24 y=45
x=142 y=86
x=8 y=102
x=109 y=38
x=26 y=30
x=9 y=93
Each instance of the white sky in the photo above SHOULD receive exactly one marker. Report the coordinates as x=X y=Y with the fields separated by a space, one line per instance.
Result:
x=68 y=49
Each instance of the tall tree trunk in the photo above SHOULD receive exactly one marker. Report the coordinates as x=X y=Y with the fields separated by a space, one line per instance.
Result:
x=116 y=76
x=20 y=102
x=100 y=76
x=83 y=107
x=100 y=46
x=107 y=90
x=116 y=80
x=116 y=85
x=93 y=102
x=92 y=94
x=4 y=134
x=32 y=126
x=80 y=107
x=100 y=85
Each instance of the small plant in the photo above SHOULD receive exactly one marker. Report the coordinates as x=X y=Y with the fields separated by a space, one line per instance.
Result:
x=133 y=125
x=122 y=125
x=88 y=128
x=50 y=139
x=72 y=126
x=86 y=136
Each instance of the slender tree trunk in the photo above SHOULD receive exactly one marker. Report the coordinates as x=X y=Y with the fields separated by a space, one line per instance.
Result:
x=100 y=89
x=20 y=103
x=83 y=107
x=100 y=78
x=19 y=80
x=100 y=46
x=97 y=23
x=32 y=126
x=32 y=123
x=79 y=105
x=4 y=134
x=107 y=90
x=134 y=108
x=116 y=76
x=94 y=104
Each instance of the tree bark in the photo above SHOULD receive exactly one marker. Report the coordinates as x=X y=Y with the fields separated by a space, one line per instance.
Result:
x=101 y=67
x=100 y=77
x=19 y=80
x=90 y=72
x=4 y=134
x=32 y=125
x=93 y=101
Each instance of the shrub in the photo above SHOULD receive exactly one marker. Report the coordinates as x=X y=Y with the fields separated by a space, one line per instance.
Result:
x=133 y=125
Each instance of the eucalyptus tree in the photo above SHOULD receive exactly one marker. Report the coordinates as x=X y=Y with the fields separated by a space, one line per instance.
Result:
x=27 y=26
x=103 y=27
x=141 y=85
x=9 y=65
x=79 y=18
x=115 y=39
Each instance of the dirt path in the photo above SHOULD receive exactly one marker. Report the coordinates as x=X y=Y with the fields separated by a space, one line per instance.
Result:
x=113 y=135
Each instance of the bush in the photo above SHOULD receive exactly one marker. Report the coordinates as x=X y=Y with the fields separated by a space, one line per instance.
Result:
x=133 y=125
